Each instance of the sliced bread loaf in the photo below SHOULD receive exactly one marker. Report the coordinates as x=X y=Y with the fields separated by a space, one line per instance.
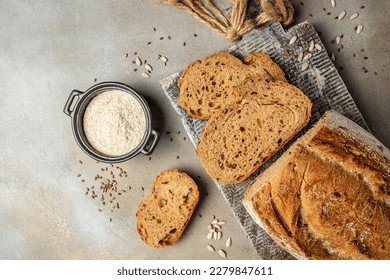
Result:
x=207 y=86
x=165 y=212
x=238 y=140
x=328 y=196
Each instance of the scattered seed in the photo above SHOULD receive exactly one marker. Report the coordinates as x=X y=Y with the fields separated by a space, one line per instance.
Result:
x=359 y=29
x=138 y=61
x=338 y=40
x=154 y=29
x=333 y=3
x=215 y=235
x=210 y=226
x=83 y=180
x=222 y=253
x=221 y=223
x=311 y=47
x=177 y=157
x=161 y=38
x=217 y=226
x=195 y=35
x=164 y=59
x=212 y=229
x=362 y=7
x=110 y=219
x=353 y=16
x=309 y=55
x=95 y=80
x=228 y=242
x=300 y=56
x=293 y=40
x=332 y=57
x=219 y=235
x=145 y=75
x=215 y=221
x=135 y=69
x=126 y=55
x=210 y=248
x=184 y=44
x=318 y=47
x=148 y=67
x=78 y=175
x=341 y=15
x=149 y=43
x=135 y=53
x=209 y=235
x=305 y=66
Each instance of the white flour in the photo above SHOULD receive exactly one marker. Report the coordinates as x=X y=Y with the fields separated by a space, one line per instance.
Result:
x=114 y=122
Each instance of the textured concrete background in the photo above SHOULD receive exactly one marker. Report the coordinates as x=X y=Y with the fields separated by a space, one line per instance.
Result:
x=49 y=48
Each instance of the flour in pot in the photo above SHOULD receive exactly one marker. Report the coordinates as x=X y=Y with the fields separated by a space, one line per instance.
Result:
x=114 y=122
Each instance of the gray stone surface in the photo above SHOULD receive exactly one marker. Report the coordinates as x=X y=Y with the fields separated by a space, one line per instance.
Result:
x=49 y=48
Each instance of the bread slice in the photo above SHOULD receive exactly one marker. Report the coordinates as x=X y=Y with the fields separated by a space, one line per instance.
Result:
x=236 y=142
x=207 y=86
x=165 y=212
x=328 y=195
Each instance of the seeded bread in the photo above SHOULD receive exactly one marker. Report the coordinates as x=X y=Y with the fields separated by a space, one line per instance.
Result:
x=165 y=212
x=238 y=140
x=328 y=196
x=206 y=86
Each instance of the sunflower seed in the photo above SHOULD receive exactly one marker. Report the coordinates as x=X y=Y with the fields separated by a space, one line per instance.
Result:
x=158 y=57
x=214 y=222
x=300 y=56
x=212 y=230
x=309 y=55
x=318 y=47
x=359 y=29
x=311 y=47
x=341 y=15
x=338 y=40
x=333 y=2
x=145 y=75
x=138 y=61
x=217 y=226
x=148 y=67
x=229 y=242
x=353 y=16
x=164 y=59
x=215 y=235
x=210 y=248
x=305 y=66
x=219 y=235
x=222 y=253
x=209 y=227
x=210 y=235
x=292 y=40
x=221 y=223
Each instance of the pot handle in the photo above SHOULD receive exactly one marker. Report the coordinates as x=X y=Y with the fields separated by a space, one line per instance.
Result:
x=155 y=135
x=69 y=102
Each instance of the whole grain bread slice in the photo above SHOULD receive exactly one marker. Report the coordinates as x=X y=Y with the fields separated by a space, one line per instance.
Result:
x=237 y=141
x=207 y=86
x=163 y=215
x=328 y=195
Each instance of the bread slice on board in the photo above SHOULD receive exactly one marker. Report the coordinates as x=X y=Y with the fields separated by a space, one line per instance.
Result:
x=238 y=140
x=207 y=86
x=165 y=212
x=328 y=195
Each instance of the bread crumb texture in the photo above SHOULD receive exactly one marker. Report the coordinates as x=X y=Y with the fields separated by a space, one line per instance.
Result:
x=207 y=86
x=329 y=200
x=163 y=215
x=237 y=141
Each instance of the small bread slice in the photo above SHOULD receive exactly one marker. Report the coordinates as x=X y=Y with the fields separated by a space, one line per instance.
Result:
x=238 y=140
x=207 y=86
x=165 y=212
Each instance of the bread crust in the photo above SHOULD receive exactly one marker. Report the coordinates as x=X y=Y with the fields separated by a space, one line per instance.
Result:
x=163 y=215
x=327 y=196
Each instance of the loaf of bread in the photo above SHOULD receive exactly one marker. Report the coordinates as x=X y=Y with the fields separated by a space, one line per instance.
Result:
x=328 y=195
x=207 y=86
x=237 y=141
x=165 y=212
